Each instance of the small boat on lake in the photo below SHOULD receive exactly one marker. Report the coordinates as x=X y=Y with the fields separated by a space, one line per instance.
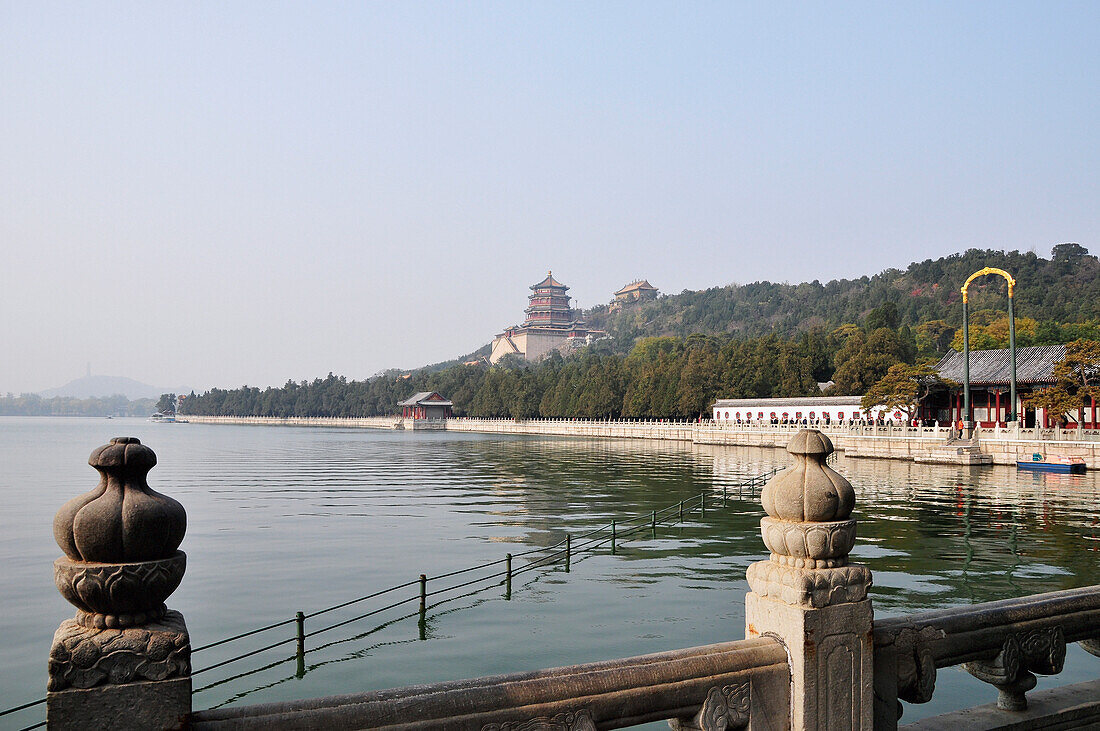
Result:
x=1064 y=465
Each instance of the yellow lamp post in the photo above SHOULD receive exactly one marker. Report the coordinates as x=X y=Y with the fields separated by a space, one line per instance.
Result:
x=966 y=341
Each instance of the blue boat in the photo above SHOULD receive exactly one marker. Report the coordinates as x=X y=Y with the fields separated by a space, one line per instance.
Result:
x=1067 y=466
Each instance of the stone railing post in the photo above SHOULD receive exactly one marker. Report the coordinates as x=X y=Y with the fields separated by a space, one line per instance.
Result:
x=809 y=597
x=124 y=661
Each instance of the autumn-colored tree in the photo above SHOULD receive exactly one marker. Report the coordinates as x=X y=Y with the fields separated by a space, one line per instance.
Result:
x=903 y=388
x=1076 y=380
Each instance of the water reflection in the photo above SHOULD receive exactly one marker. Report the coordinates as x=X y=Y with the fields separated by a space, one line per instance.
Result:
x=286 y=519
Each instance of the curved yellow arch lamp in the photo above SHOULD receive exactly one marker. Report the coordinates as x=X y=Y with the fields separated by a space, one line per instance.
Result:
x=966 y=339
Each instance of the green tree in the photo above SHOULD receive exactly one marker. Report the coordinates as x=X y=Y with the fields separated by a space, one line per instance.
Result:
x=167 y=403
x=903 y=388
x=885 y=315
x=864 y=360
x=934 y=337
x=1076 y=380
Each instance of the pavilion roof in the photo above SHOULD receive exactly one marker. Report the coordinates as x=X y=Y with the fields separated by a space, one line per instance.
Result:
x=425 y=398
x=1033 y=365
x=637 y=285
x=549 y=282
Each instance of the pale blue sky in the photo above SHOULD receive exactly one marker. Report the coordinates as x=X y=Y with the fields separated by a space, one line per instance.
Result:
x=228 y=193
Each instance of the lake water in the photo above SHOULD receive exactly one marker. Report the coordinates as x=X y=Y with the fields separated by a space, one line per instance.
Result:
x=297 y=519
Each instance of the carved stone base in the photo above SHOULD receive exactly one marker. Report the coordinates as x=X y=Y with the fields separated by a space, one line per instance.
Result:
x=162 y=704
x=830 y=653
x=84 y=657
x=809 y=587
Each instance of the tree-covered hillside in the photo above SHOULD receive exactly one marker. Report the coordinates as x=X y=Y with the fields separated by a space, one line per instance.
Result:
x=1062 y=289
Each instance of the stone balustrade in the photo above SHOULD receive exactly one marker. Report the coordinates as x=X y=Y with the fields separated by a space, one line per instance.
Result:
x=1003 y=643
x=813 y=656
x=1002 y=445
x=712 y=687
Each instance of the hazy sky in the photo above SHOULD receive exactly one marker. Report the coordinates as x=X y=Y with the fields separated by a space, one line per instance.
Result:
x=226 y=193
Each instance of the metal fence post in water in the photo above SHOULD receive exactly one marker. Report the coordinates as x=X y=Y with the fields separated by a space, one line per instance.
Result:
x=702 y=504
x=300 y=619
x=653 y=522
x=681 y=511
x=423 y=622
x=614 y=534
x=568 y=550
x=508 y=578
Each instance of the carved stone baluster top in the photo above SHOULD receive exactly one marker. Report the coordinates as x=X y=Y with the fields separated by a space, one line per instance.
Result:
x=810 y=490
x=121 y=562
x=122 y=519
x=809 y=531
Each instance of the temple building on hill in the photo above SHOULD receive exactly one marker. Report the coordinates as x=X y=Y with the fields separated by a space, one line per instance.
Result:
x=551 y=324
x=637 y=291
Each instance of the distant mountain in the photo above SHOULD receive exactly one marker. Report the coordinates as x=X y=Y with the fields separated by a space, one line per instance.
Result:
x=103 y=386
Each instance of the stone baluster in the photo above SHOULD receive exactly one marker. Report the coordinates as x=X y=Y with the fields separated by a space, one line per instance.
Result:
x=1013 y=670
x=124 y=660
x=808 y=596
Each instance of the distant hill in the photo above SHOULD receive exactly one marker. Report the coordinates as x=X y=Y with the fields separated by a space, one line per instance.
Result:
x=103 y=386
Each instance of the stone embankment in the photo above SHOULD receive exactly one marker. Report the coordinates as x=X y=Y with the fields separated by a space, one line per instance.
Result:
x=920 y=444
x=365 y=422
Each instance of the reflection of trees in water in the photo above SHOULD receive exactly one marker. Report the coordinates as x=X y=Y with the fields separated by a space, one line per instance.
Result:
x=559 y=485
x=972 y=534
x=933 y=534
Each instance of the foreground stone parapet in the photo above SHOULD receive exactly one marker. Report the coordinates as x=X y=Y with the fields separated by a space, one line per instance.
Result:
x=807 y=594
x=124 y=661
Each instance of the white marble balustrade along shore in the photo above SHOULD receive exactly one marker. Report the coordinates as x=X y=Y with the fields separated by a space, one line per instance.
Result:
x=1004 y=446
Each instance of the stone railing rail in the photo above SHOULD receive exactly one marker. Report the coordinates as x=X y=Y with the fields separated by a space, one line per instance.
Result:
x=725 y=682
x=1002 y=643
x=813 y=658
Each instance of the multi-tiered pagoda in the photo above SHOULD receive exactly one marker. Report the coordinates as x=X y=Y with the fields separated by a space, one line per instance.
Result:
x=550 y=323
x=548 y=305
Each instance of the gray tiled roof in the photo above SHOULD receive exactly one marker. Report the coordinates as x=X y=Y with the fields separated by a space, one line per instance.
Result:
x=418 y=398
x=1033 y=365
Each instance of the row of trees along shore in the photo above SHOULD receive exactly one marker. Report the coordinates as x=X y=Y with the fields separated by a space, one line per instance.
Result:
x=757 y=340
x=30 y=404
x=662 y=377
